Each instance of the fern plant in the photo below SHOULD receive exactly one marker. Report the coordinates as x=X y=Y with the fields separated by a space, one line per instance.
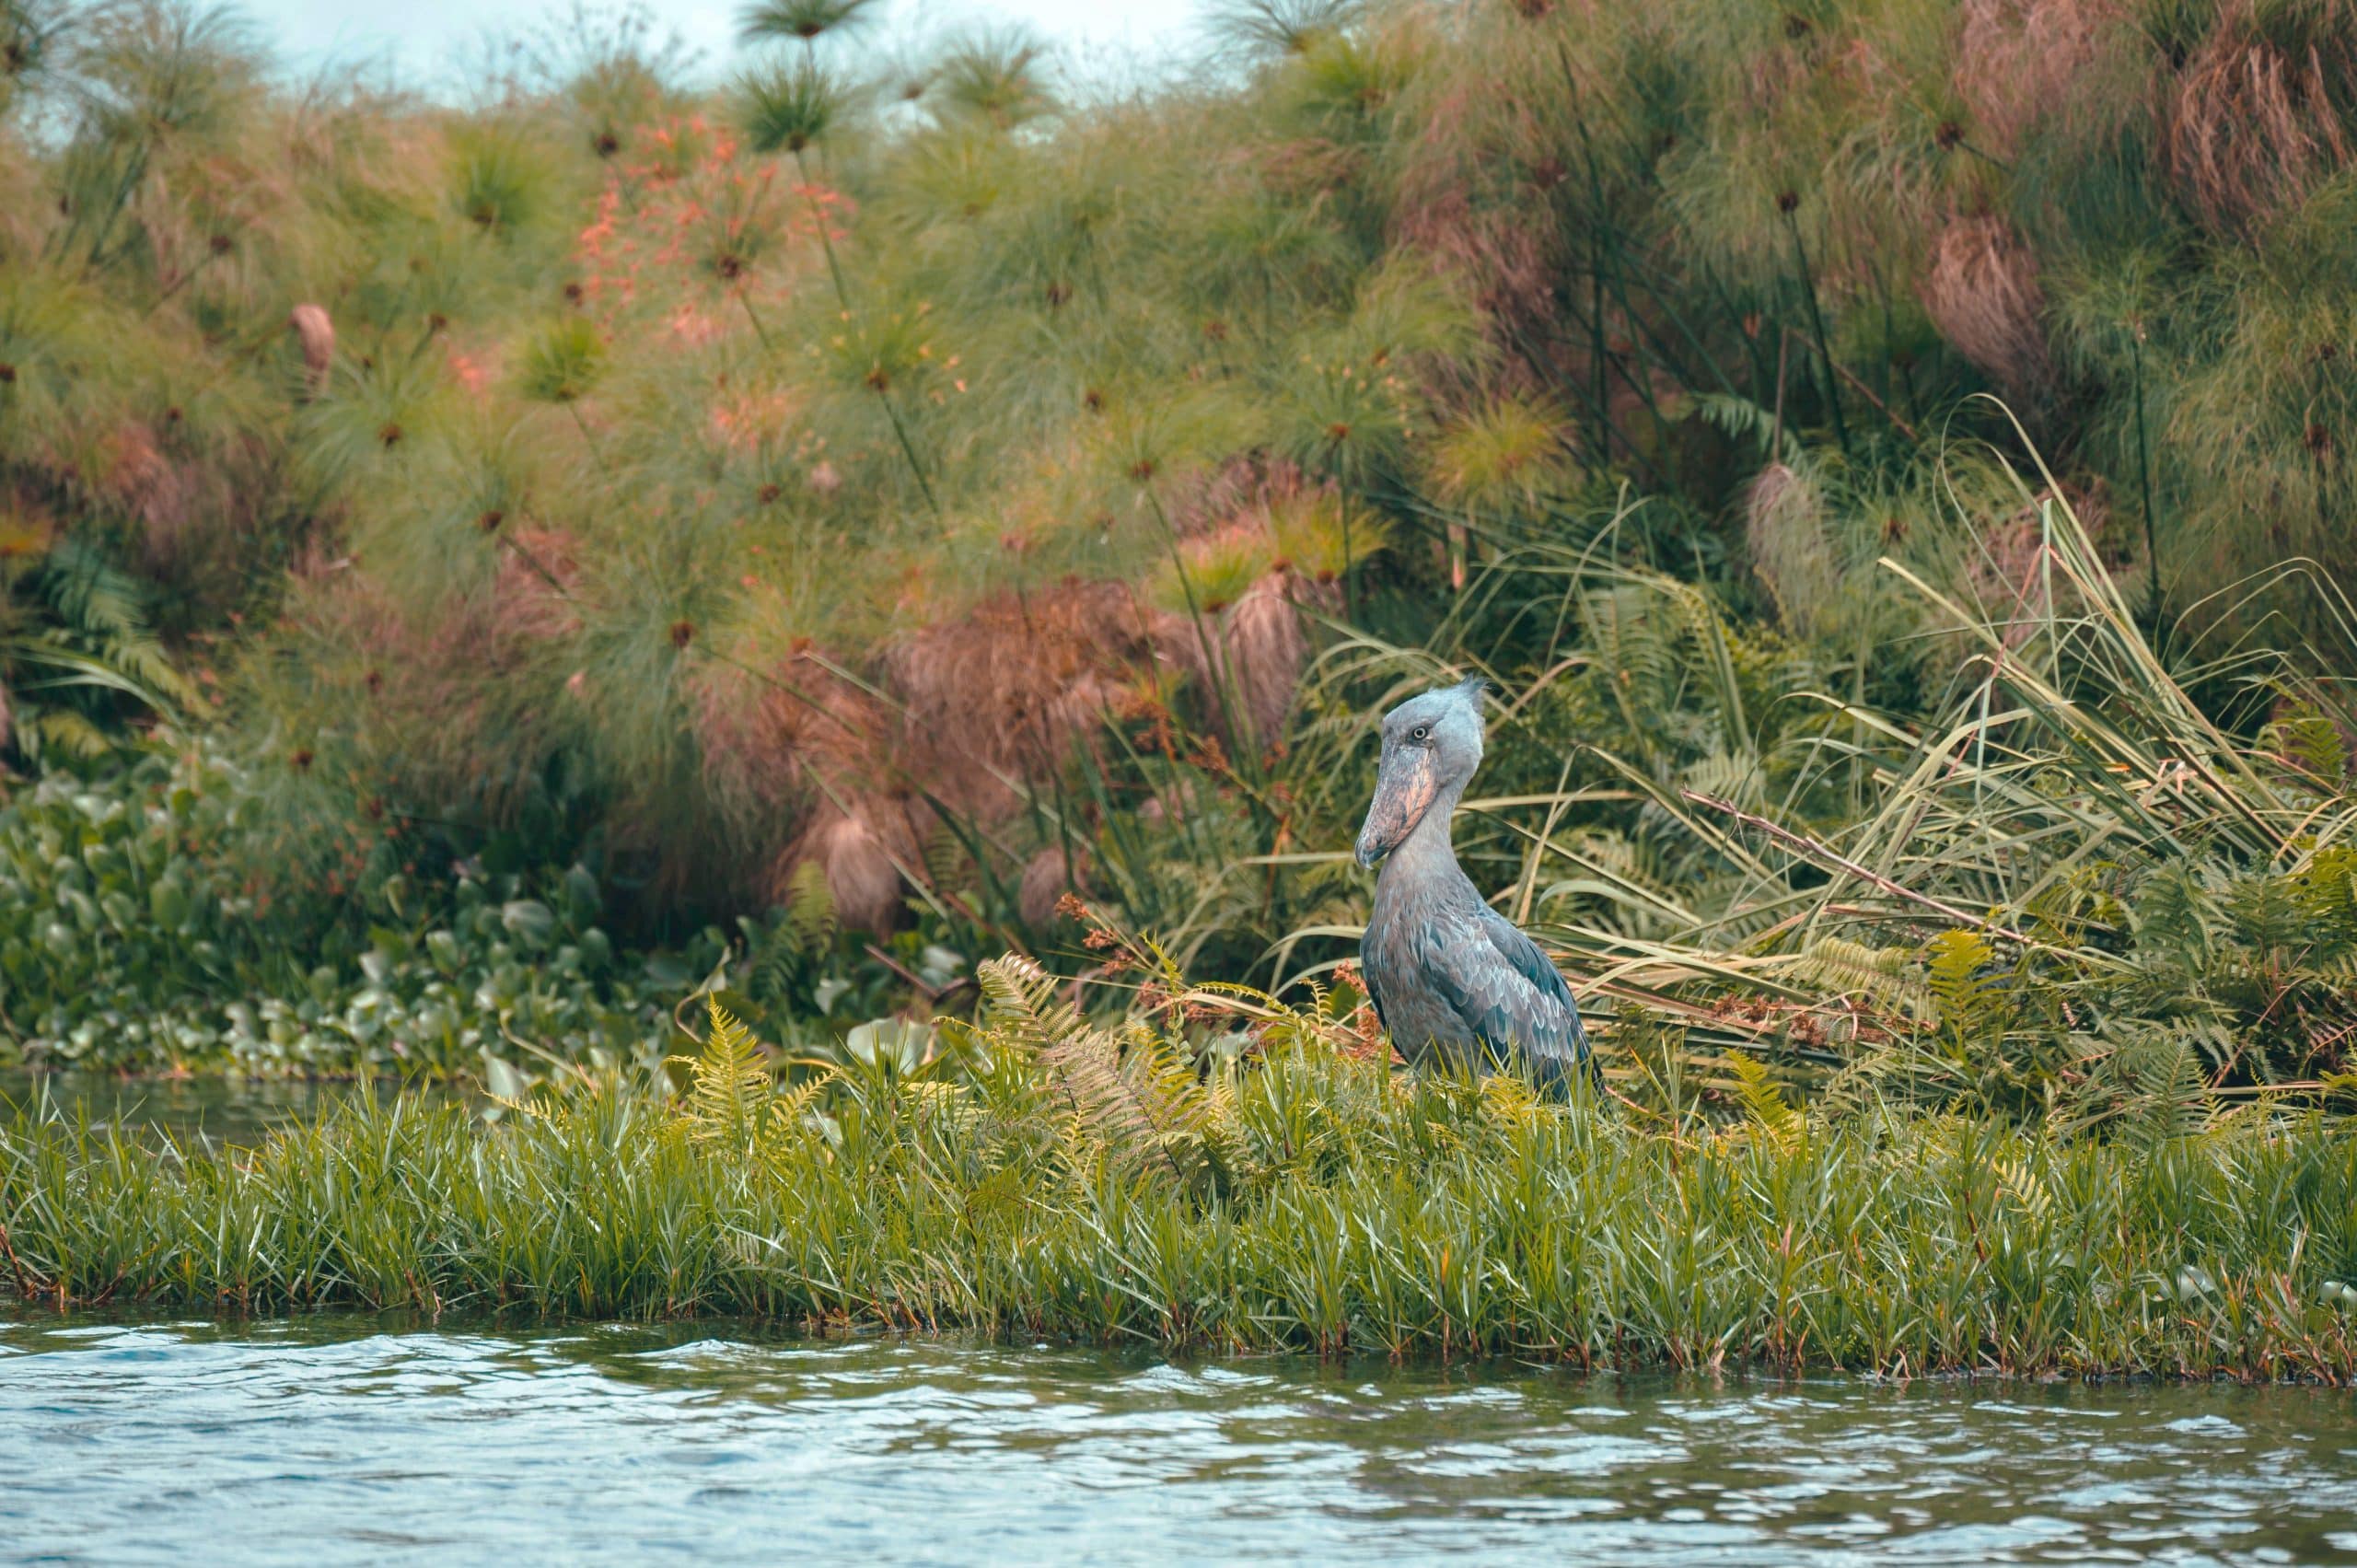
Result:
x=1767 y=1117
x=1957 y=969
x=77 y=655
x=787 y=955
x=1129 y=1099
x=728 y=1082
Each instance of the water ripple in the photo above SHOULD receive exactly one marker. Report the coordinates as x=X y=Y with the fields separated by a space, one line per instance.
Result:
x=367 y=1442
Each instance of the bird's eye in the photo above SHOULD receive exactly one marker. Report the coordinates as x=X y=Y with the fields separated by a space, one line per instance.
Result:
x=1422 y=732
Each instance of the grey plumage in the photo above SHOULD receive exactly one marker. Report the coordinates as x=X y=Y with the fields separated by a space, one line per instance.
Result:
x=1449 y=976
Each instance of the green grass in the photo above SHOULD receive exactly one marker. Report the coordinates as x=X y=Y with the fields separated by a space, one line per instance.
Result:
x=1338 y=1207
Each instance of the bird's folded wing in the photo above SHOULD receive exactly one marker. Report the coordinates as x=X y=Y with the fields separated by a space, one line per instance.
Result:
x=1367 y=979
x=1508 y=992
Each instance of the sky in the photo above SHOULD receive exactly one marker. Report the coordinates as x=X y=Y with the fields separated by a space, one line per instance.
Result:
x=427 y=39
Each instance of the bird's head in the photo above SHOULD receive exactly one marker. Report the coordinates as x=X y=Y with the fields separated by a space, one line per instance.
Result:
x=1431 y=746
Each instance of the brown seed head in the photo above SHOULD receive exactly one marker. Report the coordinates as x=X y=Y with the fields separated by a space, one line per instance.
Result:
x=315 y=332
x=682 y=633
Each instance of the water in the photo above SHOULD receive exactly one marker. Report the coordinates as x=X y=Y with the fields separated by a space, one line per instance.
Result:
x=373 y=1441
x=206 y=1108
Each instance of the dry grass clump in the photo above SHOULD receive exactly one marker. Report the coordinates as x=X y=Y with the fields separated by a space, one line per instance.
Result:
x=1982 y=290
x=1264 y=648
x=976 y=715
x=1791 y=554
x=806 y=760
x=1006 y=691
x=1231 y=608
x=2250 y=125
x=860 y=852
x=2022 y=65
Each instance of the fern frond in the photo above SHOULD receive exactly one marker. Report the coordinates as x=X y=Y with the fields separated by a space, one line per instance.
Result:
x=2015 y=1179
x=1767 y=1116
x=729 y=1084
x=2170 y=1092
x=2174 y=906
x=1854 y=969
x=1960 y=972
x=1132 y=1098
x=63 y=729
x=791 y=1112
x=810 y=918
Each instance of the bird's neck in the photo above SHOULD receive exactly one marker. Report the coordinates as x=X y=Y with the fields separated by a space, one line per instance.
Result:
x=1427 y=850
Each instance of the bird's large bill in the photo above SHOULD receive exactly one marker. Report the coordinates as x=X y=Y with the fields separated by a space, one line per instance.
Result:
x=1405 y=790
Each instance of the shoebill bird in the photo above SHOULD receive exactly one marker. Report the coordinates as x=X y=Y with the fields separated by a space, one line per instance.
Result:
x=1450 y=976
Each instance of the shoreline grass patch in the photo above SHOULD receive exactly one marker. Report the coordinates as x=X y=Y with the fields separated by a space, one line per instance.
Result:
x=1298 y=1199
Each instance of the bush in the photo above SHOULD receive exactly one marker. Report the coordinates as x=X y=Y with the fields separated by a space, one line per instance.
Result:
x=134 y=936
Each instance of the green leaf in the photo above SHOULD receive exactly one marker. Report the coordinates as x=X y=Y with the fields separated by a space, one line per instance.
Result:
x=529 y=921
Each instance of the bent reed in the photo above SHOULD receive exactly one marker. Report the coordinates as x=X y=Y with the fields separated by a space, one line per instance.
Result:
x=1042 y=1179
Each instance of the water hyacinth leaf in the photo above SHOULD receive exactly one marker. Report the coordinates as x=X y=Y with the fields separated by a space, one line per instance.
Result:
x=529 y=921
x=901 y=1043
x=583 y=899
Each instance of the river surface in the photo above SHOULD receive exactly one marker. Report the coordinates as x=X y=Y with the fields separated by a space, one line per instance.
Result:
x=204 y=1109
x=377 y=1440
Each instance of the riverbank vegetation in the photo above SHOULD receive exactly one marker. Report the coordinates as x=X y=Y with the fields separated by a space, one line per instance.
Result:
x=1043 y=1176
